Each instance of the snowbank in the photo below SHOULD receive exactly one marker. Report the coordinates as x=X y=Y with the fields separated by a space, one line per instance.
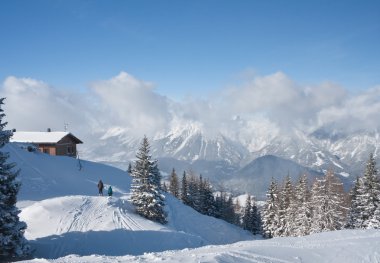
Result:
x=348 y=246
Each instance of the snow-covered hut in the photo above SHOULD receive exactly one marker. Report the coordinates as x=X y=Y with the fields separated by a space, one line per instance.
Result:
x=53 y=143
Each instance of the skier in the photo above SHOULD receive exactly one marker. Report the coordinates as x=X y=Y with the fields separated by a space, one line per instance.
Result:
x=110 y=191
x=100 y=187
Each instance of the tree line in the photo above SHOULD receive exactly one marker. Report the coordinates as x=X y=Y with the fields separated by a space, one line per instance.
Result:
x=301 y=210
x=290 y=209
x=197 y=192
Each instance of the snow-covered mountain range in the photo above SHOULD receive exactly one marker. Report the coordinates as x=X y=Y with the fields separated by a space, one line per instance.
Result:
x=223 y=157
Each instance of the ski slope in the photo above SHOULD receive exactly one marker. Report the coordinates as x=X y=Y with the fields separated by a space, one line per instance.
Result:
x=65 y=215
x=68 y=222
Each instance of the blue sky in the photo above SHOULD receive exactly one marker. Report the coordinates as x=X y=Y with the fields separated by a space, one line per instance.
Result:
x=191 y=47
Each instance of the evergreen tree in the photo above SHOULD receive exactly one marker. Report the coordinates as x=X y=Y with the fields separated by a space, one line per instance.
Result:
x=197 y=193
x=228 y=212
x=368 y=195
x=193 y=191
x=328 y=204
x=146 y=196
x=301 y=208
x=286 y=213
x=270 y=215
x=164 y=187
x=220 y=204
x=13 y=245
x=354 y=217
x=174 y=184
x=256 y=227
x=201 y=195
x=208 y=201
x=185 y=190
x=238 y=212
x=247 y=215
x=129 y=170
x=156 y=175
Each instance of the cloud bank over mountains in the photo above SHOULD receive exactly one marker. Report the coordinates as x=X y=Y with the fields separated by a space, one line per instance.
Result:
x=274 y=103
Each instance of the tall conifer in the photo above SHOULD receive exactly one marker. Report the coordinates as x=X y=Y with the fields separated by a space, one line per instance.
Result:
x=146 y=194
x=13 y=245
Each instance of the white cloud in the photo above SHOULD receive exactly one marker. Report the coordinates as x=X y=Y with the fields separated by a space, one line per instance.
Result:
x=133 y=104
x=355 y=113
x=264 y=105
x=34 y=105
x=283 y=101
x=262 y=94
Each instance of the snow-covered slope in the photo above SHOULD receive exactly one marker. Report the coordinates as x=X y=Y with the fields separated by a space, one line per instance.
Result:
x=109 y=226
x=45 y=176
x=348 y=246
x=59 y=203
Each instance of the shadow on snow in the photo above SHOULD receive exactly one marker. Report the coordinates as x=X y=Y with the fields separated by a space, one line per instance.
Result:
x=117 y=242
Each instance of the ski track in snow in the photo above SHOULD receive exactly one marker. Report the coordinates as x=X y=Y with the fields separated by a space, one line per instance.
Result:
x=244 y=256
x=95 y=209
x=123 y=220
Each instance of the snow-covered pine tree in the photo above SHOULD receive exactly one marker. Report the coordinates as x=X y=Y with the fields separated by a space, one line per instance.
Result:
x=354 y=214
x=146 y=195
x=156 y=175
x=270 y=217
x=339 y=200
x=251 y=218
x=328 y=204
x=13 y=245
x=286 y=215
x=174 y=184
x=185 y=190
x=256 y=227
x=221 y=204
x=239 y=212
x=301 y=208
x=208 y=201
x=368 y=196
x=193 y=190
x=318 y=205
x=228 y=210
x=246 y=219
x=201 y=197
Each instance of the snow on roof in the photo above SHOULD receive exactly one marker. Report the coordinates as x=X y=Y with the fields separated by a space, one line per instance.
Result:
x=38 y=137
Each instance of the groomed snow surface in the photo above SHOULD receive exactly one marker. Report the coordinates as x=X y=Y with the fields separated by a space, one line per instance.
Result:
x=340 y=246
x=68 y=222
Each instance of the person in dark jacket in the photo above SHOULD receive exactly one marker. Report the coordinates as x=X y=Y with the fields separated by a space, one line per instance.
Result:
x=100 y=187
x=110 y=191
